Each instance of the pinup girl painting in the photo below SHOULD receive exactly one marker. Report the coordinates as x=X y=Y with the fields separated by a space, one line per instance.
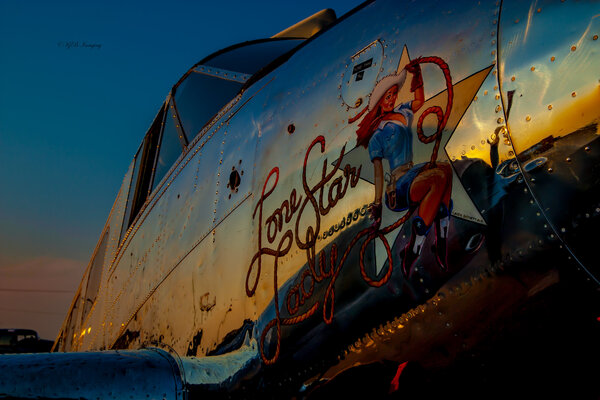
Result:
x=386 y=131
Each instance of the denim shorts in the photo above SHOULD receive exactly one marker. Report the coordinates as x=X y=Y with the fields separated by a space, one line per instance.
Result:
x=403 y=189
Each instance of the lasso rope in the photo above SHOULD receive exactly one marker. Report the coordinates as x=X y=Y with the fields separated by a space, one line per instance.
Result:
x=329 y=300
x=442 y=117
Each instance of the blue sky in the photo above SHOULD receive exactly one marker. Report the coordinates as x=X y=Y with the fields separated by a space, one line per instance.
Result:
x=80 y=82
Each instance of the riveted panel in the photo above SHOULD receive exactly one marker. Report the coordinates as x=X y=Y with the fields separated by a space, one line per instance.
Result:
x=551 y=91
x=177 y=218
x=312 y=126
x=70 y=337
x=361 y=74
x=236 y=165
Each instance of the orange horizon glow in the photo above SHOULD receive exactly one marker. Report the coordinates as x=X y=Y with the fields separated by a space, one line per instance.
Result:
x=560 y=122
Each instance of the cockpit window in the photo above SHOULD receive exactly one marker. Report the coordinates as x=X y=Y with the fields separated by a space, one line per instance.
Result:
x=199 y=97
x=194 y=101
x=250 y=58
x=127 y=217
x=213 y=82
x=139 y=188
x=93 y=283
x=170 y=147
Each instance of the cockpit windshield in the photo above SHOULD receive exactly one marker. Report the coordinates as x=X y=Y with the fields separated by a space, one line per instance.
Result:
x=199 y=97
x=215 y=80
x=193 y=103
x=250 y=58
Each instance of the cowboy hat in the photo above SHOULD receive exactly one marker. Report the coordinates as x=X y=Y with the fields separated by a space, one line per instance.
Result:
x=383 y=85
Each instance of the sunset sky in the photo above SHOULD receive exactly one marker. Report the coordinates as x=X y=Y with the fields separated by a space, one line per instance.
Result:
x=80 y=82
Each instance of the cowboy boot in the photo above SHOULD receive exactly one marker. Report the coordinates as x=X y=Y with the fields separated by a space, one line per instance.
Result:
x=442 y=224
x=413 y=249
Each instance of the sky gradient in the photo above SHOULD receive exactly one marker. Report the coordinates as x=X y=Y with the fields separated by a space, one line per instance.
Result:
x=80 y=83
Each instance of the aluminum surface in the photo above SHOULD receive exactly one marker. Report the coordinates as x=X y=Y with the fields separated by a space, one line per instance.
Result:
x=258 y=254
x=553 y=121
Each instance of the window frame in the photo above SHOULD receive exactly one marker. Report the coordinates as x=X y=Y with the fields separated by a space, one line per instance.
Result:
x=168 y=105
x=95 y=275
x=147 y=152
x=135 y=204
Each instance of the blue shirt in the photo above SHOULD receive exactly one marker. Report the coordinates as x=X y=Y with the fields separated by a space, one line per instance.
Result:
x=392 y=139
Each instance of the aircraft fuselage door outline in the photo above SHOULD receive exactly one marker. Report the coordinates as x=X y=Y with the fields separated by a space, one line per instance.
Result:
x=361 y=74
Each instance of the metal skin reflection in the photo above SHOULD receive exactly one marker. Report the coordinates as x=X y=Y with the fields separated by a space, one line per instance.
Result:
x=299 y=274
x=316 y=272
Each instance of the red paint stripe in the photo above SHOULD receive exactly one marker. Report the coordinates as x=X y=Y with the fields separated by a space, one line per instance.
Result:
x=395 y=384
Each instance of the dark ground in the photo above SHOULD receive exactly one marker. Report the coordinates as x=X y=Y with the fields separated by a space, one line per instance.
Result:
x=550 y=349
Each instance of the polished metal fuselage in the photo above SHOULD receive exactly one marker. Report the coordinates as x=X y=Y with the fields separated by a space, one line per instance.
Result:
x=201 y=260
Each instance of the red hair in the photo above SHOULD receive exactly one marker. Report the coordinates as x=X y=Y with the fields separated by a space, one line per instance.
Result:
x=369 y=124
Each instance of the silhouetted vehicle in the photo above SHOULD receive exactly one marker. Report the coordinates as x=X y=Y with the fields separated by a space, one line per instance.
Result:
x=22 y=341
